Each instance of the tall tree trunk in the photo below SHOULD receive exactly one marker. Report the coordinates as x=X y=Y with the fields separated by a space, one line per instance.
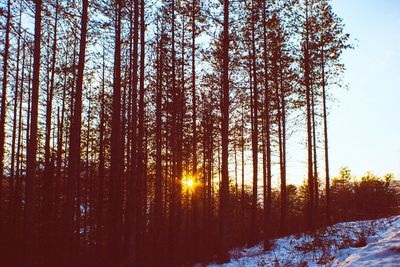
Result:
x=194 y=98
x=282 y=130
x=235 y=160
x=60 y=159
x=131 y=224
x=48 y=227
x=74 y=146
x=16 y=201
x=115 y=211
x=181 y=114
x=14 y=127
x=254 y=137
x=327 y=179
x=28 y=112
x=141 y=163
x=3 y=107
x=242 y=147
x=310 y=201
x=174 y=144
x=50 y=95
x=195 y=198
x=30 y=225
x=267 y=180
x=101 y=172
x=314 y=140
x=224 y=190
x=9 y=221
x=158 y=216
x=88 y=186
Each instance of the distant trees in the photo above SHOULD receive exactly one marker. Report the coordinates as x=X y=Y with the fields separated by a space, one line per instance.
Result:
x=369 y=196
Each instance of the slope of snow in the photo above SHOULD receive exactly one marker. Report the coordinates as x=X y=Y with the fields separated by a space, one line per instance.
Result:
x=362 y=243
x=383 y=252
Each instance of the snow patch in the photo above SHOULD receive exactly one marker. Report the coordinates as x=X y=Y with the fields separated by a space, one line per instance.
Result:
x=361 y=243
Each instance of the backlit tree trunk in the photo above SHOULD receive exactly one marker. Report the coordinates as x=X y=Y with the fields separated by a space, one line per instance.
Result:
x=75 y=145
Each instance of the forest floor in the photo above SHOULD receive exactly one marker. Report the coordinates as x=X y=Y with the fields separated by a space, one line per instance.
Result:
x=359 y=243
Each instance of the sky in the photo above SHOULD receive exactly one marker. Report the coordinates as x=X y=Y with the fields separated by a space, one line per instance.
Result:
x=364 y=121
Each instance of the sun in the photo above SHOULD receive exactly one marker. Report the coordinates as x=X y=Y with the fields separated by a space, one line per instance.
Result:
x=188 y=183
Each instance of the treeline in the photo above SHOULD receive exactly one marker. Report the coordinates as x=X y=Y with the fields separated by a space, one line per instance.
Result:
x=366 y=197
x=125 y=127
x=352 y=198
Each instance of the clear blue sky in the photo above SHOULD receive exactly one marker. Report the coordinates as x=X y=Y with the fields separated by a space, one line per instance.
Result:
x=364 y=122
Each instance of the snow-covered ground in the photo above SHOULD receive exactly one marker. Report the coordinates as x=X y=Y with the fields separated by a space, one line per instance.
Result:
x=362 y=243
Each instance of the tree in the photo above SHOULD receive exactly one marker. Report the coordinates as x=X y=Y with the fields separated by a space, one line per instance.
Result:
x=29 y=224
x=3 y=104
x=48 y=228
x=141 y=159
x=131 y=246
x=306 y=62
x=224 y=190
x=267 y=190
x=143 y=105
x=14 y=125
x=75 y=143
x=254 y=120
x=115 y=202
x=332 y=42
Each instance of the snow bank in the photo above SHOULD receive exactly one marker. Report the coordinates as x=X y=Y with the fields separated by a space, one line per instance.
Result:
x=382 y=252
x=362 y=243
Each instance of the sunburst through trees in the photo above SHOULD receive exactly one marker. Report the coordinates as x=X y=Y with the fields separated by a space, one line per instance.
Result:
x=154 y=132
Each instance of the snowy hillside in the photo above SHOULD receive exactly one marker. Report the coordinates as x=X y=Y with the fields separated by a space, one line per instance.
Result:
x=362 y=243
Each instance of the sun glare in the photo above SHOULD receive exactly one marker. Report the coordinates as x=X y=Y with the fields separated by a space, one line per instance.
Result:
x=188 y=183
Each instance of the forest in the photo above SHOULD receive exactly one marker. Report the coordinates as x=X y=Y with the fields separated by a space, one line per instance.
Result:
x=155 y=132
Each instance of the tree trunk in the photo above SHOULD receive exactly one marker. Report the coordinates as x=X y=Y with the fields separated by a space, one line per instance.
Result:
x=224 y=190
x=282 y=125
x=115 y=211
x=48 y=227
x=30 y=229
x=101 y=172
x=314 y=140
x=141 y=159
x=327 y=179
x=267 y=180
x=131 y=224
x=310 y=201
x=254 y=137
x=16 y=201
x=242 y=195
x=158 y=216
x=174 y=145
x=74 y=146
x=3 y=107
x=14 y=127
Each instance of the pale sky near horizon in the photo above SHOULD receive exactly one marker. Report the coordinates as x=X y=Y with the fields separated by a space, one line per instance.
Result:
x=364 y=122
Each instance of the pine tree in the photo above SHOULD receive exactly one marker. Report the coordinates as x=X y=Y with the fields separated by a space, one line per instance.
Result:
x=75 y=145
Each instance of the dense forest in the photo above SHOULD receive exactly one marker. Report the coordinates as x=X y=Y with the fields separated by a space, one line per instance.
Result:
x=154 y=133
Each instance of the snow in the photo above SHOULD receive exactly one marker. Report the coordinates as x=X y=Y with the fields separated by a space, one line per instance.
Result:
x=380 y=252
x=361 y=243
